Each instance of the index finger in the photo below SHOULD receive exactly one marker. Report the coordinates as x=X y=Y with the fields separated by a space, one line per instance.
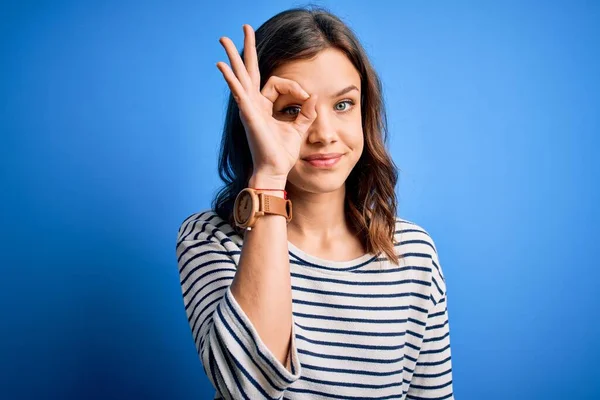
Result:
x=250 y=57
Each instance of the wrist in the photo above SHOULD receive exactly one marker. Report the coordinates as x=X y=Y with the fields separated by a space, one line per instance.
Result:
x=268 y=182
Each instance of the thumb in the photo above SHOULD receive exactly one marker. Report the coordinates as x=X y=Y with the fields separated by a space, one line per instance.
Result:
x=306 y=116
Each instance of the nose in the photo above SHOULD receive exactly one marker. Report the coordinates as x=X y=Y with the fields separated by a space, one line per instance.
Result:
x=322 y=130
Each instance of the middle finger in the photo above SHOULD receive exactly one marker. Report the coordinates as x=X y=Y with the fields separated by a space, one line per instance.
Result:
x=236 y=62
x=250 y=58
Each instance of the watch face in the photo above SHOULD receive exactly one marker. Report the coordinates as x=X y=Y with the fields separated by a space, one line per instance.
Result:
x=243 y=207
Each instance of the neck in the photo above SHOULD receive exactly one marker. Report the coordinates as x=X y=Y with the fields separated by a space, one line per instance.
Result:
x=317 y=217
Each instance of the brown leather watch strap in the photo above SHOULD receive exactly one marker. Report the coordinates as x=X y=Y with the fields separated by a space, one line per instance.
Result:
x=275 y=205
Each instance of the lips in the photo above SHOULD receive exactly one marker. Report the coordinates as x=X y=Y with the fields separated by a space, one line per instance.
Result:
x=324 y=161
x=322 y=156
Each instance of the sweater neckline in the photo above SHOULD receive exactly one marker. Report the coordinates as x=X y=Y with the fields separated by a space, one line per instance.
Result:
x=301 y=255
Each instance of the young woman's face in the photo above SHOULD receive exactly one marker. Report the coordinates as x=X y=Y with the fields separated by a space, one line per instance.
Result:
x=338 y=126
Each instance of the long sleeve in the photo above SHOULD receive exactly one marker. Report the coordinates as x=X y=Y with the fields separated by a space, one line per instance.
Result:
x=235 y=359
x=432 y=377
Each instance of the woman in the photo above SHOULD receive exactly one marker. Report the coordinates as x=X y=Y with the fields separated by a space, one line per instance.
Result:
x=301 y=282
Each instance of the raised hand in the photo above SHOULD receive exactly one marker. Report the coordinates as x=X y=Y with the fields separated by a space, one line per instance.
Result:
x=274 y=144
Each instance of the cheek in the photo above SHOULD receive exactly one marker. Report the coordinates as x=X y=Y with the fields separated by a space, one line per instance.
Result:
x=354 y=138
x=353 y=131
x=357 y=143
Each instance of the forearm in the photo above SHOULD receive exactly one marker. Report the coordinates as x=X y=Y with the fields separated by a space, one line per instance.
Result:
x=262 y=283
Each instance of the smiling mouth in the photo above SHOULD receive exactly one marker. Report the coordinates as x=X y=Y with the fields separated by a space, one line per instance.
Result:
x=324 y=162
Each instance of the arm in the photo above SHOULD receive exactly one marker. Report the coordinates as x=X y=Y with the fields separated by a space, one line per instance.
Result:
x=238 y=344
x=432 y=377
x=263 y=276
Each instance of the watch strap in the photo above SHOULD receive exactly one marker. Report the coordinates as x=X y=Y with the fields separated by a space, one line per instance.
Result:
x=274 y=205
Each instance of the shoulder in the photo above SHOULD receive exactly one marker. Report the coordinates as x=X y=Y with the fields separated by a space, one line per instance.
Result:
x=206 y=225
x=413 y=236
x=413 y=240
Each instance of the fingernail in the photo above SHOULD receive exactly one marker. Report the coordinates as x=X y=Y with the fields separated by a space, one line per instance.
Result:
x=305 y=95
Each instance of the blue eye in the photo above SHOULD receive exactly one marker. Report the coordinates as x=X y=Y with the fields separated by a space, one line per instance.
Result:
x=348 y=102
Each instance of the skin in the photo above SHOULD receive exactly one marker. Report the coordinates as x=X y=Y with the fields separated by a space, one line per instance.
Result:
x=278 y=141
x=319 y=225
x=326 y=123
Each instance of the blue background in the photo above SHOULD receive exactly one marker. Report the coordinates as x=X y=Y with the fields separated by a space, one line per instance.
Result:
x=111 y=116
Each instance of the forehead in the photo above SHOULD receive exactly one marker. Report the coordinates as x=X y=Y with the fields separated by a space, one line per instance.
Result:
x=329 y=71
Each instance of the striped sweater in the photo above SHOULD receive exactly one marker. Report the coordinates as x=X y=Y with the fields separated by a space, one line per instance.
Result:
x=362 y=329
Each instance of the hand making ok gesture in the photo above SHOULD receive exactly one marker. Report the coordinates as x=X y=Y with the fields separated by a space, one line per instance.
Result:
x=274 y=144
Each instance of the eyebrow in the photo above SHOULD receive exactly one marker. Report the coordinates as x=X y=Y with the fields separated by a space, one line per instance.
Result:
x=346 y=90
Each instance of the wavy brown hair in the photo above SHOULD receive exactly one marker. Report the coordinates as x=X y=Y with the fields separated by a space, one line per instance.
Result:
x=301 y=33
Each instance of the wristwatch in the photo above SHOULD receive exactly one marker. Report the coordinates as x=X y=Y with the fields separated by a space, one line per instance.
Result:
x=250 y=204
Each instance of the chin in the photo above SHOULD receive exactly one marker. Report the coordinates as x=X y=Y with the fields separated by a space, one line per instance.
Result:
x=316 y=183
x=315 y=180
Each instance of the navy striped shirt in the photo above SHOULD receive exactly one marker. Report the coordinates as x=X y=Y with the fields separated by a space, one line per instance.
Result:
x=362 y=329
